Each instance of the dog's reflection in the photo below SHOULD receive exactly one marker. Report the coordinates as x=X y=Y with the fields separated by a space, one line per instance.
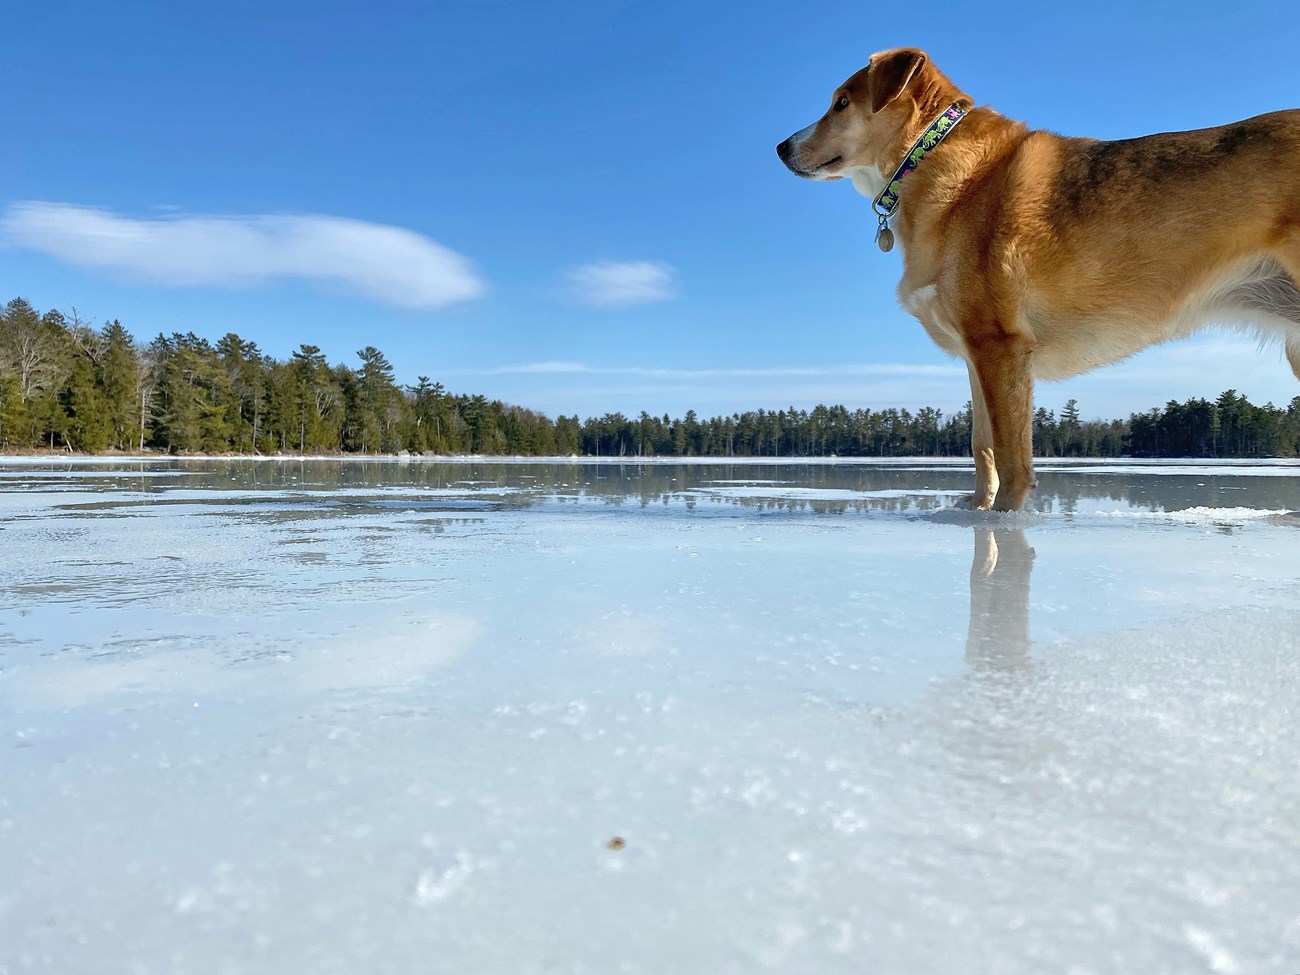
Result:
x=998 y=635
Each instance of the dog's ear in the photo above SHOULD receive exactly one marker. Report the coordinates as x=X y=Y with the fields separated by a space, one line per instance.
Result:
x=890 y=75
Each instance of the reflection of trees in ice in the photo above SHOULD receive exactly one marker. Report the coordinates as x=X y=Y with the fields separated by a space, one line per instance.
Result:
x=831 y=488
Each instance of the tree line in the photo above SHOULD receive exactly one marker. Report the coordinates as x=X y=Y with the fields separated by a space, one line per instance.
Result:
x=67 y=385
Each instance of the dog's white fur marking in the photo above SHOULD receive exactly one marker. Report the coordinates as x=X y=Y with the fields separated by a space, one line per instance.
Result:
x=867 y=180
x=918 y=299
x=923 y=303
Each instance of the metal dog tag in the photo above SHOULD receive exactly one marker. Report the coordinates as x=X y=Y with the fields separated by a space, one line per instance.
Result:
x=885 y=238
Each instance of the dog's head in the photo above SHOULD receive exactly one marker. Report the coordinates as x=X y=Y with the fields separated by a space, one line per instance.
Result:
x=857 y=136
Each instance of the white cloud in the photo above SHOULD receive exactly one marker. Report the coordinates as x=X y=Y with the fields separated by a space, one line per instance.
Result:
x=388 y=264
x=621 y=284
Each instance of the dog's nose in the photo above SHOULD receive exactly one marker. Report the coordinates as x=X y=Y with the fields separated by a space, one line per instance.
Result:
x=783 y=150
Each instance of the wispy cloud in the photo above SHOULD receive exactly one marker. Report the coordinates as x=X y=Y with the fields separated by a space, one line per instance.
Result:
x=528 y=368
x=385 y=263
x=570 y=386
x=1202 y=366
x=622 y=284
x=901 y=370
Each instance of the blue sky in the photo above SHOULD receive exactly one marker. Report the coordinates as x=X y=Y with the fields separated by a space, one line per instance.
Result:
x=572 y=206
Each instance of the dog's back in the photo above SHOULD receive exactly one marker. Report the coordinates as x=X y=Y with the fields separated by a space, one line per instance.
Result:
x=1141 y=240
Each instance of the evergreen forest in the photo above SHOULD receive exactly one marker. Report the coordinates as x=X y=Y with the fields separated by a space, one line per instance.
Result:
x=66 y=385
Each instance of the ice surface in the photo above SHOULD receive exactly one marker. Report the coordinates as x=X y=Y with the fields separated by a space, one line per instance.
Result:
x=318 y=717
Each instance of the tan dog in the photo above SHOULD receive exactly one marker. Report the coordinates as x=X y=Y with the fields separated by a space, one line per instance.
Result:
x=1031 y=255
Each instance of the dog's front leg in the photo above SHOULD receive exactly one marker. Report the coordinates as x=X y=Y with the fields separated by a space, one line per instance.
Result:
x=981 y=448
x=1005 y=376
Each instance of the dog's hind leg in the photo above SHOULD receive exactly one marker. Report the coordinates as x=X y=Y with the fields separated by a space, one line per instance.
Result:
x=1283 y=299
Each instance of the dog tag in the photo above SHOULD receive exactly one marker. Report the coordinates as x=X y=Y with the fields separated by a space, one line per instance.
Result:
x=885 y=238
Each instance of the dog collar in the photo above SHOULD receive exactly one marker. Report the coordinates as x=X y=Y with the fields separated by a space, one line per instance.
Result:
x=886 y=204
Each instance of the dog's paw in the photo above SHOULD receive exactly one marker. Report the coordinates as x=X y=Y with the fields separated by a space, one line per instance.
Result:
x=974 y=502
x=1008 y=500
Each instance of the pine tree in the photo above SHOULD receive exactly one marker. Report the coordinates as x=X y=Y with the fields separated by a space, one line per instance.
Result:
x=1071 y=446
x=88 y=427
x=376 y=397
x=120 y=378
x=246 y=390
x=426 y=432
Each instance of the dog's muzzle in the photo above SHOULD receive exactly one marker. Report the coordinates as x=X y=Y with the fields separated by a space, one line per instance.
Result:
x=788 y=154
x=791 y=153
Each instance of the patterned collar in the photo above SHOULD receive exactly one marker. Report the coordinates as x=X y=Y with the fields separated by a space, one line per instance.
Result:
x=886 y=204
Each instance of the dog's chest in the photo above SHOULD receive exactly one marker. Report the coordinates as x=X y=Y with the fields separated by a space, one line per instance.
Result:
x=923 y=302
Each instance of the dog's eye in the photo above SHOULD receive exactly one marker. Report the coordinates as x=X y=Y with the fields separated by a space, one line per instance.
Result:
x=841 y=103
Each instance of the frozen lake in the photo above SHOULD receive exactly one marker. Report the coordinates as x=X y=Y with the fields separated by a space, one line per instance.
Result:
x=480 y=718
